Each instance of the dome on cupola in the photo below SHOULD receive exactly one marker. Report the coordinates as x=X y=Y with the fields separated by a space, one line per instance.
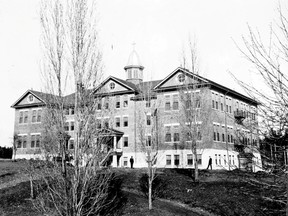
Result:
x=134 y=60
x=134 y=68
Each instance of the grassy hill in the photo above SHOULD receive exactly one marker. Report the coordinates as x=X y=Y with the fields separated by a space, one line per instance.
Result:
x=217 y=193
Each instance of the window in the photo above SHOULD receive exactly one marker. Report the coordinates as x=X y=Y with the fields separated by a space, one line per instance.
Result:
x=167 y=135
x=189 y=159
x=181 y=78
x=148 y=141
x=176 y=137
x=231 y=138
x=66 y=126
x=98 y=123
x=106 y=123
x=30 y=98
x=226 y=108
x=233 y=161
x=33 y=140
x=230 y=109
x=125 y=161
x=112 y=85
x=34 y=115
x=188 y=102
x=71 y=126
x=176 y=160
x=125 y=121
x=213 y=104
x=168 y=159
x=24 y=142
x=125 y=101
x=197 y=100
x=38 y=138
x=129 y=74
x=223 y=137
x=117 y=102
x=106 y=105
x=218 y=136
x=71 y=144
x=221 y=106
x=167 y=102
x=214 y=137
x=148 y=119
x=19 y=142
x=175 y=102
x=117 y=122
x=99 y=105
x=228 y=138
x=216 y=104
x=224 y=159
x=39 y=115
x=26 y=117
x=199 y=136
x=21 y=117
x=199 y=159
x=219 y=159
x=148 y=103
x=216 y=159
x=72 y=111
x=125 y=141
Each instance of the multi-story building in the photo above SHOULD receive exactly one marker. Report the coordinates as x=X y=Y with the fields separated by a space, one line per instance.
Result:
x=224 y=120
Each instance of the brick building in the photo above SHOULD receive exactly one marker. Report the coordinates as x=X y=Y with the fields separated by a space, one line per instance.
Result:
x=226 y=121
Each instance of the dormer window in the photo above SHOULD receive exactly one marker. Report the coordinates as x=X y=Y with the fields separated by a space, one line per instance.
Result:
x=112 y=85
x=181 y=78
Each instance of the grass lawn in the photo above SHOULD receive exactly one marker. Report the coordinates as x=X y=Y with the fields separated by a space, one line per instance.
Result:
x=219 y=192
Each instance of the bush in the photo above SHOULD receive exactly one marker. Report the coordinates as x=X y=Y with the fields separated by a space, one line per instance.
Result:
x=159 y=186
x=103 y=194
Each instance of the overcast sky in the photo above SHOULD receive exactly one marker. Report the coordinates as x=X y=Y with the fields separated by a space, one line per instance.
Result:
x=160 y=29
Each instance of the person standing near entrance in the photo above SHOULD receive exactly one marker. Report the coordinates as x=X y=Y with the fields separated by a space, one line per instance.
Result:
x=209 y=163
x=131 y=162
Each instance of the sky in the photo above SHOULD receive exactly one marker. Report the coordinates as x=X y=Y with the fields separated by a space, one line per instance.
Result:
x=160 y=28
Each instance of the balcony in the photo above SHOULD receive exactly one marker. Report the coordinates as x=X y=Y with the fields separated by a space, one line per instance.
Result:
x=239 y=115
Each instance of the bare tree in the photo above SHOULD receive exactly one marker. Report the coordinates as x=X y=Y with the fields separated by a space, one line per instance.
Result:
x=148 y=124
x=270 y=60
x=194 y=113
x=72 y=55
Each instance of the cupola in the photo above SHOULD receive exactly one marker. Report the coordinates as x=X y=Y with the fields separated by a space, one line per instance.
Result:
x=134 y=69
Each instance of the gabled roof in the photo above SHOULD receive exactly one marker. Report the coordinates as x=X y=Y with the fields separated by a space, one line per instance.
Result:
x=212 y=84
x=183 y=70
x=128 y=85
x=39 y=95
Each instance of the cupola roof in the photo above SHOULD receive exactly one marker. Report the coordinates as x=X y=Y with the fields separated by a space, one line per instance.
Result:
x=134 y=60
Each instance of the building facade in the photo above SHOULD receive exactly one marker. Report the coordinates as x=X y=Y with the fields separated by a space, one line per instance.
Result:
x=180 y=109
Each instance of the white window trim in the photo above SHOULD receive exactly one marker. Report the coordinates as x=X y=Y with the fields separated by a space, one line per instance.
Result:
x=171 y=124
x=31 y=134
x=22 y=134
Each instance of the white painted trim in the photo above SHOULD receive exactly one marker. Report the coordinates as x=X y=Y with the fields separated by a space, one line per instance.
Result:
x=31 y=134
x=171 y=124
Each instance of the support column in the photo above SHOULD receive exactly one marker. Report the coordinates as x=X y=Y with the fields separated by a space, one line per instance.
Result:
x=114 y=160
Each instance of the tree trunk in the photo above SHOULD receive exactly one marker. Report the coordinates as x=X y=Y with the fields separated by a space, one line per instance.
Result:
x=31 y=188
x=150 y=193
x=286 y=192
x=196 y=173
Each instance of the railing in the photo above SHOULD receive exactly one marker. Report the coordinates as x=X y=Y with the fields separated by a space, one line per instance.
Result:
x=239 y=114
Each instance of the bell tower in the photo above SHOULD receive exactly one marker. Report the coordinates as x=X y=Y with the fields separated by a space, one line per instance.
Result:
x=134 y=69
